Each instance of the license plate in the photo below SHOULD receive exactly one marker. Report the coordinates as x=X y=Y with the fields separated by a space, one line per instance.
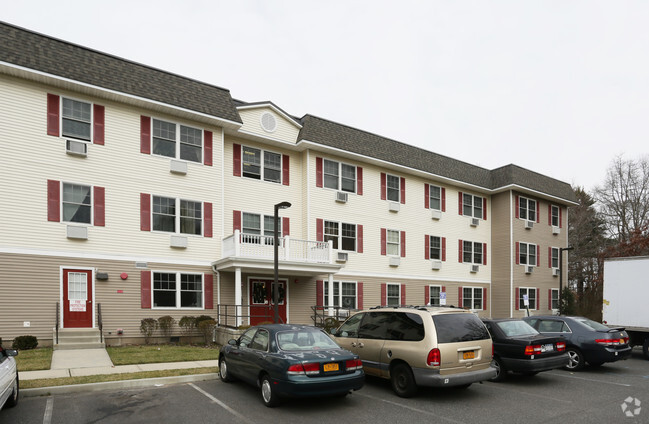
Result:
x=330 y=367
x=468 y=355
x=547 y=348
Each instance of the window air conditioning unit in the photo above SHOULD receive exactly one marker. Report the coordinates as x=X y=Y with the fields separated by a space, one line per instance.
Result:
x=529 y=269
x=436 y=214
x=342 y=257
x=556 y=230
x=436 y=264
x=75 y=232
x=395 y=261
x=394 y=206
x=341 y=197
x=76 y=148
x=475 y=222
x=178 y=167
x=178 y=241
x=556 y=272
x=529 y=224
x=475 y=268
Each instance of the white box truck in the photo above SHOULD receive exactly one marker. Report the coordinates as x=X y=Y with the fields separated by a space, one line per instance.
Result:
x=626 y=298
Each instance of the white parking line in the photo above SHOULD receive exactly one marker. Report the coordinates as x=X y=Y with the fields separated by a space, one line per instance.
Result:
x=589 y=379
x=421 y=411
x=223 y=405
x=496 y=386
x=47 y=418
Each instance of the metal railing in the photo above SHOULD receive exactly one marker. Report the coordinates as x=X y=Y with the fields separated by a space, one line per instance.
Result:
x=329 y=317
x=100 y=323
x=232 y=315
x=56 y=329
x=262 y=247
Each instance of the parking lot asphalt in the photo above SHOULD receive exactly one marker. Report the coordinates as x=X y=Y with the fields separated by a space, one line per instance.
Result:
x=617 y=392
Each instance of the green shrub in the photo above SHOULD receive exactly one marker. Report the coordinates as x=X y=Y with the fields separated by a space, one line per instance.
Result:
x=166 y=324
x=148 y=327
x=206 y=327
x=203 y=318
x=187 y=325
x=25 y=342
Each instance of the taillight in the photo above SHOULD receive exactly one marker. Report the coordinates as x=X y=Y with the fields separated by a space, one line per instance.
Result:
x=434 y=358
x=612 y=342
x=626 y=340
x=296 y=369
x=353 y=365
x=302 y=369
x=561 y=346
x=533 y=350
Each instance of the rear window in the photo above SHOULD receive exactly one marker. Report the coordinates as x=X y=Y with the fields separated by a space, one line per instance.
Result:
x=593 y=324
x=453 y=328
x=305 y=340
x=516 y=328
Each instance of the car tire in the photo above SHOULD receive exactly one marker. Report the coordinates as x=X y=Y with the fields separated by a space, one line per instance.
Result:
x=575 y=360
x=402 y=380
x=13 y=397
x=224 y=373
x=501 y=375
x=645 y=348
x=268 y=394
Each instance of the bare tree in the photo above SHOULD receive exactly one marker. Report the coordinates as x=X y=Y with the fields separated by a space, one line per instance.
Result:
x=624 y=197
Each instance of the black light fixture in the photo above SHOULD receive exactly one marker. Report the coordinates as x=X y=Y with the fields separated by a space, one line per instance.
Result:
x=283 y=205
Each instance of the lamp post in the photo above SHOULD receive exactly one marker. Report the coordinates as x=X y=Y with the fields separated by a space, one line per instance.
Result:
x=561 y=250
x=278 y=206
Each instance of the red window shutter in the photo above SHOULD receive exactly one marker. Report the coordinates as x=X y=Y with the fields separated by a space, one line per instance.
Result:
x=208 y=141
x=319 y=229
x=53 y=115
x=145 y=134
x=403 y=243
x=286 y=226
x=99 y=206
x=145 y=289
x=484 y=208
x=319 y=293
x=359 y=295
x=426 y=246
x=403 y=294
x=550 y=214
x=383 y=186
x=538 y=255
x=516 y=206
x=359 y=180
x=538 y=212
x=518 y=254
x=560 y=217
x=318 y=172
x=459 y=256
x=460 y=300
x=236 y=221
x=444 y=249
x=98 y=124
x=484 y=299
x=484 y=253
x=384 y=294
x=538 y=300
x=549 y=299
x=426 y=295
x=145 y=212
x=518 y=298
x=286 y=170
x=426 y=196
x=209 y=290
x=383 y=241
x=403 y=190
x=359 y=238
x=459 y=201
x=236 y=160
x=549 y=256
x=443 y=199
x=53 y=200
x=207 y=212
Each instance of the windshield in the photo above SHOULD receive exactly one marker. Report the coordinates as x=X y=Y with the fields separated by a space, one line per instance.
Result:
x=453 y=328
x=305 y=340
x=593 y=324
x=516 y=328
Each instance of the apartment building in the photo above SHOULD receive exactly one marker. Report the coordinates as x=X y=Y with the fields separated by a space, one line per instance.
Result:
x=129 y=192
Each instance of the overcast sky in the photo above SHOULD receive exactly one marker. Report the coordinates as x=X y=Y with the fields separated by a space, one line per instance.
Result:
x=558 y=87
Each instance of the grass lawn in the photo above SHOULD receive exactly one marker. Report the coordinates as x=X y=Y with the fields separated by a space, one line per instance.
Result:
x=34 y=359
x=150 y=354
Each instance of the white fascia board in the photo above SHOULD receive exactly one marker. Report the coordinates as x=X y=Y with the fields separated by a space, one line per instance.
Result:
x=265 y=139
x=360 y=275
x=274 y=108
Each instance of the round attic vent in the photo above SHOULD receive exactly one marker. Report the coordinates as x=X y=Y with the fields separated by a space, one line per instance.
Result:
x=268 y=122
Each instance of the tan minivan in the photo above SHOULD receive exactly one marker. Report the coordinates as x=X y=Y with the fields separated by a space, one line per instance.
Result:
x=419 y=346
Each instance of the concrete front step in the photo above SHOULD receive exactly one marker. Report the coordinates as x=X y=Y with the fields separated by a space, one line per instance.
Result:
x=78 y=338
x=70 y=346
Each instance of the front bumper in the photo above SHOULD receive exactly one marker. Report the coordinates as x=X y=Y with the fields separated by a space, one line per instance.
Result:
x=432 y=378
x=536 y=364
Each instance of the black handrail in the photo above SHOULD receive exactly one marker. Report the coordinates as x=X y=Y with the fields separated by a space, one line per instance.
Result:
x=225 y=314
x=56 y=329
x=100 y=323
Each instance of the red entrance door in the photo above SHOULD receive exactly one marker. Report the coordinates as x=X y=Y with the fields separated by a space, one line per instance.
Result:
x=261 y=301
x=77 y=298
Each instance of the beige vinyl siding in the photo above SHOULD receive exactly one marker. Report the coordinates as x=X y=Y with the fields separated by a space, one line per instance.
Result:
x=502 y=255
x=118 y=166
x=286 y=130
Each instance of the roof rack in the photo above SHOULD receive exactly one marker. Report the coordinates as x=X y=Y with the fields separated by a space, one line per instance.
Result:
x=420 y=307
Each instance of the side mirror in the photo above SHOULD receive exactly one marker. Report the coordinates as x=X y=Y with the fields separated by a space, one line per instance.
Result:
x=232 y=342
x=11 y=352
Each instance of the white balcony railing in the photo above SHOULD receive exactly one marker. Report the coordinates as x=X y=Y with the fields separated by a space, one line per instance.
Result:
x=261 y=247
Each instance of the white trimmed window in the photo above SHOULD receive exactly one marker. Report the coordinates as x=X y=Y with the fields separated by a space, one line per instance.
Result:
x=76 y=119
x=472 y=205
x=393 y=294
x=472 y=252
x=177 y=141
x=255 y=225
x=527 y=209
x=257 y=163
x=472 y=298
x=339 y=176
x=433 y=298
x=527 y=254
x=435 y=247
x=167 y=217
x=344 y=294
x=393 y=187
x=555 y=257
x=77 y=203
x=342 y=235
x=435 y=197
x=531 y=296
x=177 y=290
x=554 y=299
x=554 y=211
x=393 y=243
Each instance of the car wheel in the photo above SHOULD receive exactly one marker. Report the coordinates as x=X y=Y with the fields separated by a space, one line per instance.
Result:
x=224 y=373
x=268 y=395
x=402 y=380
x=501 y=371
x=575 y=360
x=13 y=398
x=645 y=349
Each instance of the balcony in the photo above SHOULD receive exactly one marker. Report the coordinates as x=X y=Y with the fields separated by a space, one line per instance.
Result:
x=255 y=252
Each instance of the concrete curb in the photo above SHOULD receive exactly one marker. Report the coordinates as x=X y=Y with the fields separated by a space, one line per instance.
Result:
x=121 y=384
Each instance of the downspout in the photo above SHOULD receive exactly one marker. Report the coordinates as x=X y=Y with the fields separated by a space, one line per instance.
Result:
x=512 y=259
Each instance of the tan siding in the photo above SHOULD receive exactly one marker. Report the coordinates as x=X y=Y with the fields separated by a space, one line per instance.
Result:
x=502 y=255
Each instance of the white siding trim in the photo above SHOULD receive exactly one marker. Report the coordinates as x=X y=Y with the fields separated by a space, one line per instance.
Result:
x=363 y=275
